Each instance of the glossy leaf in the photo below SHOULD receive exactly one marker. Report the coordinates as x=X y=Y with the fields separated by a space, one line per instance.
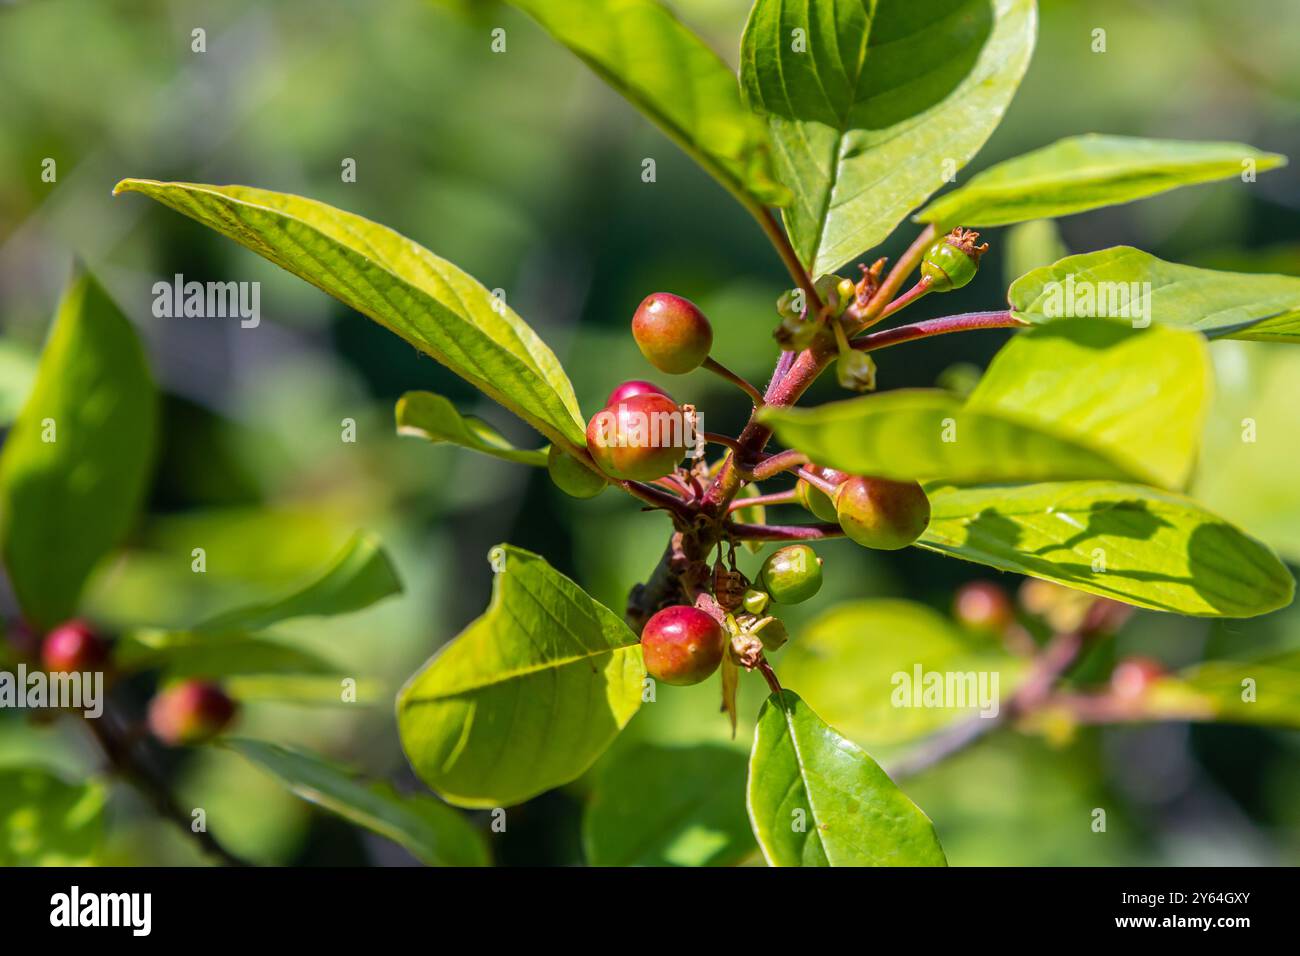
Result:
x=856 y=663
x=405 y=288
x=669 y=806
x=922 y=433
x=645 y=53
x=527 y=696
x=1140 y=395
x=879 y=106
x=1234 y=305
x=75 y=466
x=432 y=831
x=435 y=419
x=1085 y=172
x=1076 y=399
x=816 y=799
x=1134 y=544
x=46 y=821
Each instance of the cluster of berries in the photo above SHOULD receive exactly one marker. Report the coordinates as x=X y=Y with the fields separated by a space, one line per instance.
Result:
x=185 y=712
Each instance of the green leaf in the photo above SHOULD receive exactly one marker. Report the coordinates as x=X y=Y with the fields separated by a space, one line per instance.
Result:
x=405 y=288
x=1220 y=687
x=359 y=576
x=816 y=799
x=669 y=806
x=1158 y=550
x=888 y=100
x=206 y=654
x=923 y=433
x=645 y=53
x=76 y=464
x=848 y=660
x=432 y=831
x=1249 y=451
x=1076 y=399
x=45 y=821
x=305 y=690
x=1086 y=172
x=17 y=375
x=1139 y=395
x=435 y=419
x=526 y=697
x=1111 y=283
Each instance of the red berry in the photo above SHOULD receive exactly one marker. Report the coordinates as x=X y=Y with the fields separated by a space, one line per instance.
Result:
x=73 y=646
x=639 y=439
x=983 y=606
x=190 y=712
x=634 y=387
x=877 y=513
x=1134 y=676
x=672 y=333
x=682 y=645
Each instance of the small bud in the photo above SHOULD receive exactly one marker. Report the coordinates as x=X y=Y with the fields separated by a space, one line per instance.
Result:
x=952 y=261
x=830 y=291
x=856 y=371
x=770 y=631
x=1133 y=677
x=795 y=335
x=190 y=712
x=73 y=646
x=755 y=601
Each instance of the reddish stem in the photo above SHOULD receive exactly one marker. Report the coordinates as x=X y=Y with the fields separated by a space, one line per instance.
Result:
x=775 y=464
x=783 y=532
x=965 y=322
x=907 y=298
x=776 y=498
x=717 y=368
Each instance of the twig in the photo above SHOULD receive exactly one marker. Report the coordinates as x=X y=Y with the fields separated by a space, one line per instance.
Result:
x=775 y=464
x=121 y=756
x=783 y=532
x=776 y=498
x=965 y=322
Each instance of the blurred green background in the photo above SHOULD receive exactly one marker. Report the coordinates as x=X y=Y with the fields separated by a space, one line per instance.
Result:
x=524 y=170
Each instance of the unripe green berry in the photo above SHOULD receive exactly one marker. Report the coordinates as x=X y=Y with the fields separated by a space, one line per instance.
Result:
x=877 y=513
x=639 y=439
x=815 y=500
x=572 y=476
x=672 y=333
x=856 y=371
x=835 y=292
x=682 y=645
x=952 y=261
x=755 y=601
x=792 y=574
x=790 y=304
x=190 y=712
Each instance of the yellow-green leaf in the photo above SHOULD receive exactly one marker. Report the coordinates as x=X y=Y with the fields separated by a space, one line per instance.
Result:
x=435 y=419
x=426 y=300
x=527 y=696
